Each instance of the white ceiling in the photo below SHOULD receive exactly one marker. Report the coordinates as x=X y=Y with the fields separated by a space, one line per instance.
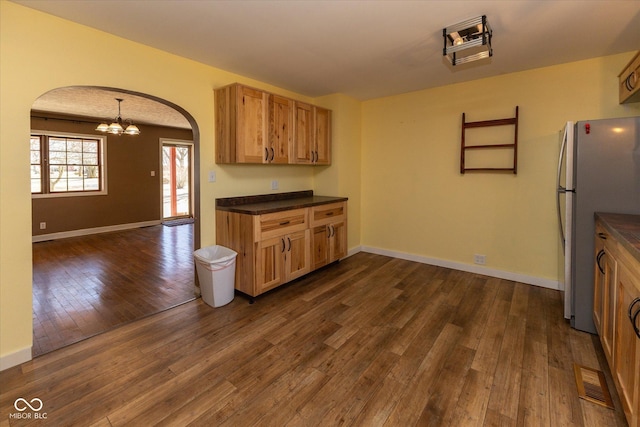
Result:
x=365 y=49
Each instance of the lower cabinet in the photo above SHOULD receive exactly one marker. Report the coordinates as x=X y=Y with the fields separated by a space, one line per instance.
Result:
x=604 y=293
x=329 y=236
x=626 y=363
x=281 y=259
x=617 y=317
x=329 y=243
x=278 y=247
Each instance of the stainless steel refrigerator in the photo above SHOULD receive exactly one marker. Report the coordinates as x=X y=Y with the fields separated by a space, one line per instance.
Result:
x=598 y=171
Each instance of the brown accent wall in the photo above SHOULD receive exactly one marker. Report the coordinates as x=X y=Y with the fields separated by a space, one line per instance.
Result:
x=133 y=194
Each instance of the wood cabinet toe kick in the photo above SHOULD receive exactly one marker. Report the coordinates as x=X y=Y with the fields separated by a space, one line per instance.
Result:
x=278 y=241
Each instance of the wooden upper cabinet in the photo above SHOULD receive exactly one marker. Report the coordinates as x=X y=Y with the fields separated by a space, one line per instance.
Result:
x=254 y=126
x=252 y=136
x=312 y=135
x=322 y=136
x=303 y=133
x=241 y=125
x=280 y=129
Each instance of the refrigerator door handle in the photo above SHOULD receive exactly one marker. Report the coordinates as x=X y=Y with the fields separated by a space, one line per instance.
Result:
x=561 y=189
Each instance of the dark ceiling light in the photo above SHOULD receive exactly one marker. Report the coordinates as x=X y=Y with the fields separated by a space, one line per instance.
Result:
x=467 y=41
x=116 y=127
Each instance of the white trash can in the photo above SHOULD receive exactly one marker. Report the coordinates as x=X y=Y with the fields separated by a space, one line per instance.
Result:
x=216 y=267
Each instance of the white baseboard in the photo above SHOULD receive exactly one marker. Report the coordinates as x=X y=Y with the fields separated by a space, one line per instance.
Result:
x=500 y=274
x=96 y=230
x=14 y=359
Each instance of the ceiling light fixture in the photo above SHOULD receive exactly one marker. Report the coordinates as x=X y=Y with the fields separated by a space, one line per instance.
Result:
x=116 y=127
x=467 y=41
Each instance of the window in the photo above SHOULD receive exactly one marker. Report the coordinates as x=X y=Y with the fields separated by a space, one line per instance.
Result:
x=67 y=165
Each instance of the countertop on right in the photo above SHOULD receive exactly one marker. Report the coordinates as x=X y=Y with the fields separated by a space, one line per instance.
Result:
x=625 y=227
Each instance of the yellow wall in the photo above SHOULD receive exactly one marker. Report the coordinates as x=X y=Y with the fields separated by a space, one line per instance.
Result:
x=414 y=199
x=60 y=53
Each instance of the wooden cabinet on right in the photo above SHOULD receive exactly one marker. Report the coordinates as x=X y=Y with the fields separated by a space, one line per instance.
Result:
x=604 y=292
x=629 y=81
x=627 y=342
x=329 y=233
x=617 y=316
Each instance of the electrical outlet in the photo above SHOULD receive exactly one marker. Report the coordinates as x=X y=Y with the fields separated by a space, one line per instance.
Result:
x=274 y=184
x=480 y=259
x=43 y=226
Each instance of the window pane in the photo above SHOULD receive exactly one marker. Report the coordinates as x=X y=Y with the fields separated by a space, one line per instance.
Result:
x=57 y=157
x=91 y=172
x=75 y=184
x=90 y=146
x=74 y=145
x=92 y=184
x=35 y=143
x=36 y=179
x=57 y=144
x=74 y=158
x=90 y=159
x=57 y=178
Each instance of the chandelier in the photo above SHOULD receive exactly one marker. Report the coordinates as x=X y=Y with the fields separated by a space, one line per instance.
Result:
x=116 y=127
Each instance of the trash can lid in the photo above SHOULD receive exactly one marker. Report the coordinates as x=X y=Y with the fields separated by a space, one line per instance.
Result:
x=214 y=254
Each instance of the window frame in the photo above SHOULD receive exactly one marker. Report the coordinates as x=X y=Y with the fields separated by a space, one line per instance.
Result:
x=44 y=164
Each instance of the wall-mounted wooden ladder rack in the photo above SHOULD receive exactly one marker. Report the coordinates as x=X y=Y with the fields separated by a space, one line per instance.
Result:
x=487 y=123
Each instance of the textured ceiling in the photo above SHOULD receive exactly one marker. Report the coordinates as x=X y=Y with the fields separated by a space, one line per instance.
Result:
x=100 y=103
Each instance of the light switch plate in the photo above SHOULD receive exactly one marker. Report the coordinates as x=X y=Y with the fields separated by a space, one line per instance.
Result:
x=274 y=184
x=212 y=176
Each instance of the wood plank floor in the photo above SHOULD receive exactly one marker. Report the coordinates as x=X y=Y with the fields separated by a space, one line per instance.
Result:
x=370 y=341
x=86 y=285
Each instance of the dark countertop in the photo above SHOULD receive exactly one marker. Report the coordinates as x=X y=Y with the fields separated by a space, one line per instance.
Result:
x=268 y=203
x=626 y=228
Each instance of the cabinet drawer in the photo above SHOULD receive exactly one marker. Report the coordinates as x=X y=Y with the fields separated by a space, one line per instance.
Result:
x=278 y=223
x=325 y=214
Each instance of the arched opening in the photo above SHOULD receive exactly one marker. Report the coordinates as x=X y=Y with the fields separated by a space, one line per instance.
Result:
x=96 y=251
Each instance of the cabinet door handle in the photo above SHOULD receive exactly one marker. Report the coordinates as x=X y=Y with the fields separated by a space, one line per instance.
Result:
x=598 y=258
x=283 y=245
x=603 y=236
x=634 y=319
x=266 y=154
x=628 y=81
x=289 y=239
x=273 y=154
x=634 y=302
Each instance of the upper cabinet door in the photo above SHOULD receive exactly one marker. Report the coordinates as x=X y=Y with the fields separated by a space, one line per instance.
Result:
x=322 y=155
x=280 y=128
x=252 y=126
x=303 y=136
x=241 y=124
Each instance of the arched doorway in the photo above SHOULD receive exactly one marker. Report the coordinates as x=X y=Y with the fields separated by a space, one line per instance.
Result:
x=129 y=202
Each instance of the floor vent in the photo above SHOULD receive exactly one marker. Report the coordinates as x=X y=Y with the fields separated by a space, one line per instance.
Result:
x=592 y=385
